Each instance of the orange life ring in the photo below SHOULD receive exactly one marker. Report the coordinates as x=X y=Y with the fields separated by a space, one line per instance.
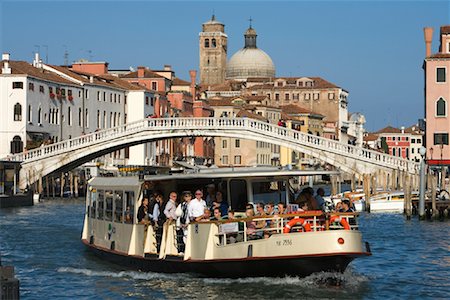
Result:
x=342 y=221
x=291 y=223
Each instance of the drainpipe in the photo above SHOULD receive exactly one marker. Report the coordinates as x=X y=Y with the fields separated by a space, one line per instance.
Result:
x=83 y=116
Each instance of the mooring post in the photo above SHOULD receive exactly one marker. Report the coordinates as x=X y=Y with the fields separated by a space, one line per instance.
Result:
x=76 y=186
x=47 y=189
x=406 y=191
x=366 y=186
x=53 y=186
x=71 y=183
x=333 y=185
x=422 y=152
x=39 y=189
x=433 y=184
x=62 y=185
x=353 y=187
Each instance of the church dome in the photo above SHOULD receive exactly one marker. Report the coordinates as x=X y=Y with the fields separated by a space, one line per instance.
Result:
x=250 y=61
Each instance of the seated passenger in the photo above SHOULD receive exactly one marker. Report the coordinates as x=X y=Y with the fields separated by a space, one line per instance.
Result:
x=251 y=225
x=128 y=218
x=206 y=215
x=222 y=204
x=217 y=215
x=281 y=208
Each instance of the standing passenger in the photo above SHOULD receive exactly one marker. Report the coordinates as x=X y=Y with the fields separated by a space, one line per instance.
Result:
x=196 y=207
x=183 y=221
x=171 y=207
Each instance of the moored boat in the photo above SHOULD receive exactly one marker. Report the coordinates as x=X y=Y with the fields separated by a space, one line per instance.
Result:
x=298 y=243
x=391 y=201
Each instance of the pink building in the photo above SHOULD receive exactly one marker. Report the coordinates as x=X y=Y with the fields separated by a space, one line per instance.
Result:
x=437 y=97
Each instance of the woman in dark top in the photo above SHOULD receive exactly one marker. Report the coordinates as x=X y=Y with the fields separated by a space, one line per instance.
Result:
x=142 y=214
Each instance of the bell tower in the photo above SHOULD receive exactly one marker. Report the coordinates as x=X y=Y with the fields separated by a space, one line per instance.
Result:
x=213 y=52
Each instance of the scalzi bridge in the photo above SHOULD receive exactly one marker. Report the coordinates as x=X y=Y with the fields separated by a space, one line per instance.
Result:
x=40 y=162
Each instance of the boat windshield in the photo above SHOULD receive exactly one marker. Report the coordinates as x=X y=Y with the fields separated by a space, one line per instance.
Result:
x=269 y=191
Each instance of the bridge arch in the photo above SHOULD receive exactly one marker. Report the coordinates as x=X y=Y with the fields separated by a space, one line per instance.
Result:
x=70 y=153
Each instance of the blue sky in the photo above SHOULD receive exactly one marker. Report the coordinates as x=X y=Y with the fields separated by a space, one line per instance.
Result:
x=373 y=49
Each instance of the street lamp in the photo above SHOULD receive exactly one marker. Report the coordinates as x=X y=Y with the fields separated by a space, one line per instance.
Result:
x=422 y=152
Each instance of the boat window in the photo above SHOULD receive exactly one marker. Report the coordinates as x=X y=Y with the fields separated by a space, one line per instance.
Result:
x=101 y=204
x=269 y=191
x=108 y=205
x=92 y=203
x=129 y=211
x=118 y=206
x=238 y=194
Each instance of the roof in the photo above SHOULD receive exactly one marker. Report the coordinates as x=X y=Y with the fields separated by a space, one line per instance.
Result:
x=23 y=67
x=178 y=81
x=370 y=137
x=389 y=129
x=248 y=114
x=439 y=55
x=445 y=29
x=147 y=74
x=319 y=83
x=293 y=109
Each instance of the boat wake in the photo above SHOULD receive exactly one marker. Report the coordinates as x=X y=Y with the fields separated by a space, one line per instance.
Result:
x=121 y=274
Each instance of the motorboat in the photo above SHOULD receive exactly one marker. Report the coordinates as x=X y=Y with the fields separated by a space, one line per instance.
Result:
x=390 y=201
x=296 y=243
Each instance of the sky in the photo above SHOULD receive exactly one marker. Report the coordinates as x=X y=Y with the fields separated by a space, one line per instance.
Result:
x=373 y=49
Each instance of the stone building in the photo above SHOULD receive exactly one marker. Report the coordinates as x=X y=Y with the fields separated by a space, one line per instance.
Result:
x=213 y=52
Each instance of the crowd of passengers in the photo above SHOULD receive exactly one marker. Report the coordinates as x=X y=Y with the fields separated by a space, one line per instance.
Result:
x=189 y=208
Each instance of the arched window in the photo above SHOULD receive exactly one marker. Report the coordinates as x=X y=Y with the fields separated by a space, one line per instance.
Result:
x=39 y=116
x=30 y=114
x=213 y=43
x=17 y=112
x=393 y=151
x=87 y=118
x=206 y=43
x=407 y=153
x=69 y=116
x=399 y=152
x=80 y=117
x=441 y=108
x=98 y=119
x=16 y=145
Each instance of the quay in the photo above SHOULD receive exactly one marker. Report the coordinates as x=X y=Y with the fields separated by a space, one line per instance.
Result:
x=9 y=285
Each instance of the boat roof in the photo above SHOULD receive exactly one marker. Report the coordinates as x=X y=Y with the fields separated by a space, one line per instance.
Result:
x=126 y=181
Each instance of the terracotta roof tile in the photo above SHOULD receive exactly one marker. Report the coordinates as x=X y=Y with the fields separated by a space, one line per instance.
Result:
x=293 y=109
x=23 y=67
x=147 y=74
x=389 y=129
x=178 y=81
x=247 y=114
x=445 y=29
x=370 y=137
x=319 y=83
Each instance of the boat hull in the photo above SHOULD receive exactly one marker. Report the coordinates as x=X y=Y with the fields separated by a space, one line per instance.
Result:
x=233 y=268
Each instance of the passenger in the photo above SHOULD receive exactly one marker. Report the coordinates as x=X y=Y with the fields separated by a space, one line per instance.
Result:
x=171 y=207
x=211 y=194
x=183 y=221
x=338 y=207
x=251 y=225
x=217 y=216
x=320 y=202
x=206 y=215
x=196 y=207
x=306 y=195
x=223 y=205
x=270 y=209
x=157 y=220
x=142 y=215
x=346 y=206
x=128 y=218
x=281 y=208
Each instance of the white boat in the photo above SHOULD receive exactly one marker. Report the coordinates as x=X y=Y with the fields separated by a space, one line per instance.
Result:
x=357 y=198
x=393 y=201
x=298 y=244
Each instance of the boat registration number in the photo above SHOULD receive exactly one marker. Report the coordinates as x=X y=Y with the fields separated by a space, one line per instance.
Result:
x=285 y=242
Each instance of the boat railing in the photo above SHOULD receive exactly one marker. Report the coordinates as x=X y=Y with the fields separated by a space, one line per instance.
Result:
x=242 y=229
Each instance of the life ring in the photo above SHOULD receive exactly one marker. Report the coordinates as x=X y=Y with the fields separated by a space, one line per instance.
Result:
x=342 y=221
x=291 y=223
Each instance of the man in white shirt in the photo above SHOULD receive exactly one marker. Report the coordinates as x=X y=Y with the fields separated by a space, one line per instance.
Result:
x=196 y=207
x=171 y=207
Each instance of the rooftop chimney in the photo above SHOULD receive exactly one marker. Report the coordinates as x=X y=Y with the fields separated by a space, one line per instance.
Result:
x=5 y=56
x=428 y=33
x=167 y=68
x=6 y=69
x=141 y=71
x=402 y=129
x=193 y=75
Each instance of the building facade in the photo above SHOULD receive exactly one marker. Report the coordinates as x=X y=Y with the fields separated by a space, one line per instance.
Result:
x=437 y=96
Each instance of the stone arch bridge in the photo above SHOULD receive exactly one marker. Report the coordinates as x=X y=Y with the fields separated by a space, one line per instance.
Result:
x=42 y=161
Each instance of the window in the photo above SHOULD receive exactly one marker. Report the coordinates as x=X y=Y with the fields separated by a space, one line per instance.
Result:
x=41 y=89
x=237 y=143
x=129 y=200
x=98 y=95
x=31 y=86
x=79 y=94
x=87 y=94
x=330 y=96
x=224 y=144
x=237 y=159
x=87 y=118
x=69 y=93
x=307 y=96
x=39 y=116
x=206 y=43
x=104 y=96
x=296 y=96
x=16 y=145
x=146 y=101
x=213 y=43
x=118 y=100
x=151 y=101
x=98 y=119
x=30 y=112
x=286 y=96
x=440 y=75
x=80 y=117
x=225 y=160
x=268 y=96
x=115 y=98
x=101 y=204
x=316 y=96
x=413 y=141
x=17 y=112
x=154 y=85
x=69 y=116
x=393 y=151
x=17 y=85
x=110 y=97
x=118 y=206
x=441 y=108
x=277 y=97
x=407 y=153
x=419 y=141
x=279 y=83
x=441 y=138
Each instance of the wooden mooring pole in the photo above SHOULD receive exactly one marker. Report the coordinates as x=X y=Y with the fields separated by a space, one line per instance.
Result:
x=407 y=193
x=366 y=187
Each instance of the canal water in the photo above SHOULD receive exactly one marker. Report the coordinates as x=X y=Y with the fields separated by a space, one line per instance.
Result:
x=411 y=260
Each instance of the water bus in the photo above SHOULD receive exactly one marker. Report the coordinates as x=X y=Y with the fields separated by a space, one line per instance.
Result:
x=297 y=243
